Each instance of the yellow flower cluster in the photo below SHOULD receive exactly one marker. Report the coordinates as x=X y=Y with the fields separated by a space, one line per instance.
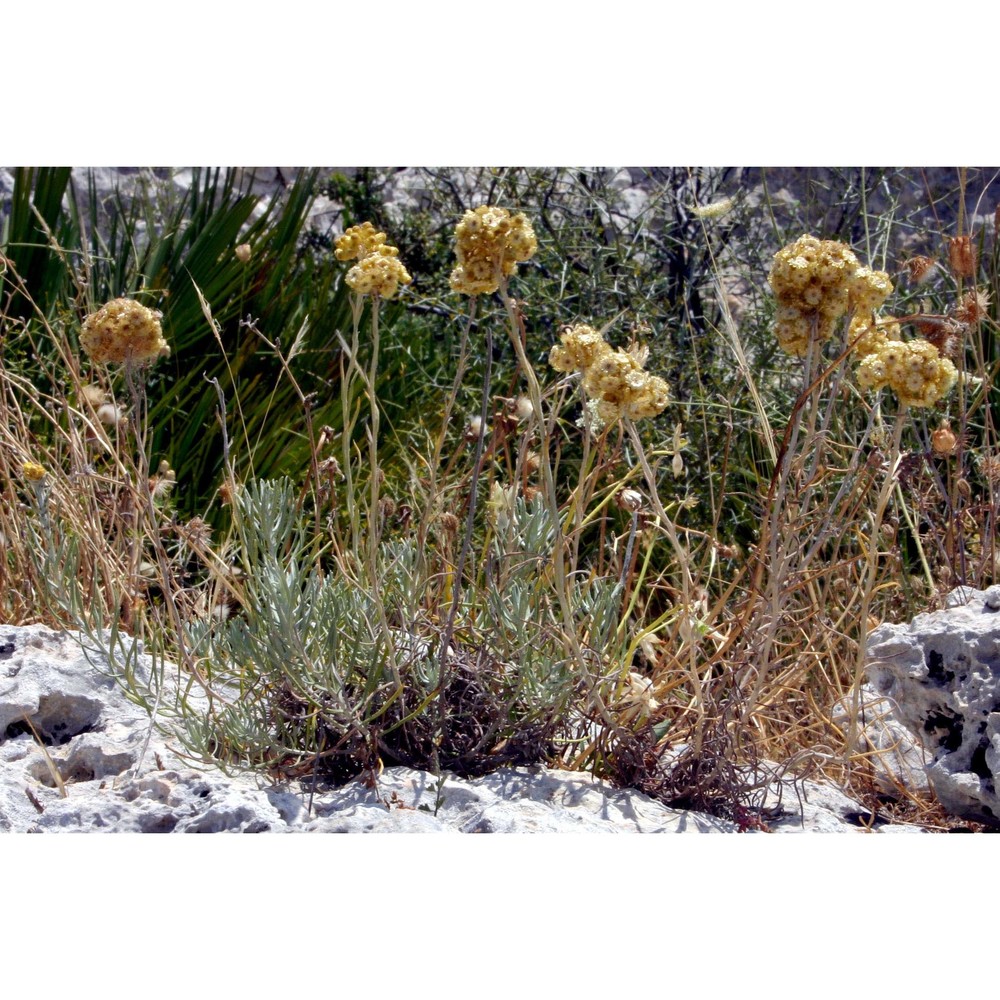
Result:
x=490 y=242
x=868 y=336
x=913 y=368
x=580 y=347
x=378 y=270
x=816 y=282
x=123 y=330
x=359 y=241
x=615 y=379
x=33 y=472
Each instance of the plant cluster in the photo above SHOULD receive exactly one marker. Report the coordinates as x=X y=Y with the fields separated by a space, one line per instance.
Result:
x=441 y=557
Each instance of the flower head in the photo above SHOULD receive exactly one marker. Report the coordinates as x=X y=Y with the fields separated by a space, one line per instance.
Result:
x=579 y=348
x=914 y=369
x=379 y=270
x=358 y=241
x=622 y=388
x=123 y=331
x=33 y=472
x=378 y=274
x=816 y=283
x=489 y=244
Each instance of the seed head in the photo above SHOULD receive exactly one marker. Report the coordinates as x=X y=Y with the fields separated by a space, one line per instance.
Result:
x=243 y=253
x=972 y=308
x=919 y=269
x=962 y=257
x=715 y=210
x=943 y=440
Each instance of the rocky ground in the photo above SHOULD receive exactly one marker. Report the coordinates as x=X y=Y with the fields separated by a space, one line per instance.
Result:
x=77 y=756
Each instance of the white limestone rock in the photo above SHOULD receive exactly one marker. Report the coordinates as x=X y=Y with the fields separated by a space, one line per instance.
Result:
x=898 y=758
x=89 y=773
x=942 y=674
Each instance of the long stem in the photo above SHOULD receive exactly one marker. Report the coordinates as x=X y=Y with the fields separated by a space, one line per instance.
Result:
x=374 y=515
x=432 y=469
x=469 y=520
x=347 y=379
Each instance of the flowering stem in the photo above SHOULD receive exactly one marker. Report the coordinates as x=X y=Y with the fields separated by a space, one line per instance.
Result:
x=470 y=517
x=138 y=394
x=552 y=501
x=374 y=518
x=432 y=468
x=347 y=422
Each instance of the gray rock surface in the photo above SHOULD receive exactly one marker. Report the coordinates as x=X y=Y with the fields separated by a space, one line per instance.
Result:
x=899 y=760
x=74 y=758
x=942 y=674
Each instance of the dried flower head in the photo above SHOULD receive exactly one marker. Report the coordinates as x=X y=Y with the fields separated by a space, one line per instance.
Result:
x=944 y=332
x=972 y=308
x=962 y=257
x=161 y=484
x=489 y=244
x=449 y=523
x=474 y=428
x=197 y=533
x=919 y=269
x=123 y=331
x=523 y=408
x=111 y=414
x=93 y=394
x=944 y=441
x=629 y=499
x=989 y=466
